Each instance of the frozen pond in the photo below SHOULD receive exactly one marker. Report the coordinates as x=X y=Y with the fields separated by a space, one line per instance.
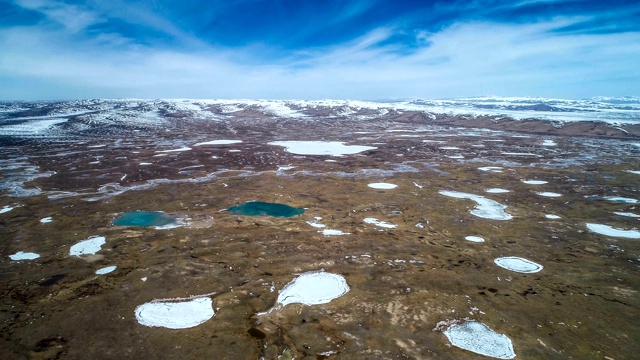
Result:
x=5 y=209
x=518 y=264
x=312 y=288
x=175 y=314
x=88 y=247
x=259 y=208
x=158 y=219
x=384 y=186
x=627 y=214
x=548 y=194
x=477 y=337
x=534 y=182
x=106 y=270
x=472 y=238
x=486 y=208
x=20 y=255
x=497 y=191
x=332 y=148
x=611 y=231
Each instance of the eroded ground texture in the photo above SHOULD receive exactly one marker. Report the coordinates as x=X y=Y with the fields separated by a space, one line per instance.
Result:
x=80 y=169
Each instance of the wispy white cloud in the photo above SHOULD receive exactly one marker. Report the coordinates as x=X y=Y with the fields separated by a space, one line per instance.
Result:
x=74 y=18
x=462 y=59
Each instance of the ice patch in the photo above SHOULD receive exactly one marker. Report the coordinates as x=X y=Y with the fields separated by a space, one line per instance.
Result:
x=627 y=214
x=333 y=232
x=548 y=143
x=20 y=255
x=534 y=182
x=312 y=288
x=637 y=172
x=477 y=337
x=548 y=194
x=449 y=148
x=145 y=163
x=497 y=191
x=90 y=246
x=551 y=216
x=476 y=239
x=47 y=219
x=611 y=231
x=218 y=142
x=379 y=223
x=382 y=186
x=106 y=270
x=175 y=315
x=518 y=264
x=332 y=148
x=485 y=208
x=5 y=209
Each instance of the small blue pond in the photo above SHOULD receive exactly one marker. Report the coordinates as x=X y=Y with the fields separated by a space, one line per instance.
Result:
x=145 y=218
x=259 y=208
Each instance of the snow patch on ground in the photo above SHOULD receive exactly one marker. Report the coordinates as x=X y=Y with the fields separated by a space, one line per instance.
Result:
x=379 y=223
x=486 y=208
x=494 y=169
x=185 y=148
x=331 y=148
x=218 y=142
x=614 y=232
x=627 y=214
x=5 y=209
x=333 y=232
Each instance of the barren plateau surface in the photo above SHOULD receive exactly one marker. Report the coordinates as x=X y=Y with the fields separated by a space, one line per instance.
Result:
x=379 y=231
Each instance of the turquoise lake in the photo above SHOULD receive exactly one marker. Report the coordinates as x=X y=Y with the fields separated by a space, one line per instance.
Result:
x=259 y=208
x=144 y=218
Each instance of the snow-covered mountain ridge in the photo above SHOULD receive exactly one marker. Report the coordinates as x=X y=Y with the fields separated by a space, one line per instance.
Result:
x=45 y=119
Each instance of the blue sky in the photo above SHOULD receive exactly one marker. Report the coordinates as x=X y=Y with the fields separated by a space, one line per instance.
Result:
x=324 y=49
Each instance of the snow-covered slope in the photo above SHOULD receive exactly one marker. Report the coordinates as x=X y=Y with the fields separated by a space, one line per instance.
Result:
x=55 y=119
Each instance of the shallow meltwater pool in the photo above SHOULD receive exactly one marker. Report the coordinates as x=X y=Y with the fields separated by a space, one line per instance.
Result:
x=157 y=219
x=260 y=208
